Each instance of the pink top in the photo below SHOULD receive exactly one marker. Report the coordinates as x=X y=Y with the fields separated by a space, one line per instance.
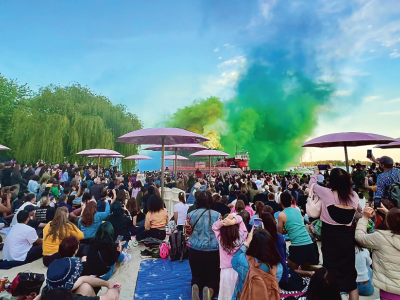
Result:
x=330 y=198
x=225 y=257
x=247 y=208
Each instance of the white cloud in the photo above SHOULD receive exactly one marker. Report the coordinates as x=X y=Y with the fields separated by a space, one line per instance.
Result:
x=240 y=60
x=371 y=98
x=390 y=113
x=343 y=93
x=394 y=54
x=220 y=57
x=266 y=7
x=216 y=49
x=226 y=45
x=395 y=100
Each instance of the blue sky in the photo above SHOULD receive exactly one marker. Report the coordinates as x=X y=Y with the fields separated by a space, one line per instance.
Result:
x=157 y=56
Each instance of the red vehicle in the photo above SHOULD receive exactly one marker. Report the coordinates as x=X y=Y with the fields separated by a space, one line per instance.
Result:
x=241 y=160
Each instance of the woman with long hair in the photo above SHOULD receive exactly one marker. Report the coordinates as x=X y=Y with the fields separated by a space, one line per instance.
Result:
x=204 y=258
x=91 y=219
x=270 y=226
x=339 y=205
x=104 y=253
x=231 y=233
x=180 y=211
x=54 y=232
x=258 y=248
x=156 y=220
x=259 y=210
x=120 y=222
x=253 y=190
x=138 y=217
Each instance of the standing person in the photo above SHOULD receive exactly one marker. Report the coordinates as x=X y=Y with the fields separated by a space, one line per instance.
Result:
x=196 y=188
x=156 y=220
x=54 y=232
x=204 y=258
x=339 y=204
x=389 y=176
x=16 y=178
x=259 y=210
x=22 y=242
x=301 y=250
x=231 y=233
x=180 y=211
x=220 y=204
x=358 y=176
x=385 y=245
x=104 y=253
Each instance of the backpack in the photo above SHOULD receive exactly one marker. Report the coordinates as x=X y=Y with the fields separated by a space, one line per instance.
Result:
x=394 y=191
x=259 y=284
x=314 y=204
x=178 y=248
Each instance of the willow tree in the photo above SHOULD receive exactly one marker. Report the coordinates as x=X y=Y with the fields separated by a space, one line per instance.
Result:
x=60 y=121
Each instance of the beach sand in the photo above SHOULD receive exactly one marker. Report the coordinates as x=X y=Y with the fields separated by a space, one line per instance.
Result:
x=126 y=274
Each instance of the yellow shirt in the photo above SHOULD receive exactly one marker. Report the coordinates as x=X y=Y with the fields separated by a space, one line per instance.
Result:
x=156 y=220
x=50 y=247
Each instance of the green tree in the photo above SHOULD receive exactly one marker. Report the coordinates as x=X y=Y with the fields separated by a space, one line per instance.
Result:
x=61 y=121
x=11 y=93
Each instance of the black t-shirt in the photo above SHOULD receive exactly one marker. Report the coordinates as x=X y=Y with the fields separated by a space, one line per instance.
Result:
x=273 y=204
x=33 y=223
x=101 y=256
x=260 y=197
x=45 y=214
x=221 y=208
x=120 y=224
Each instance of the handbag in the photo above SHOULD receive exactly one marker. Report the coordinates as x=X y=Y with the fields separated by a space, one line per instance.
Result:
x=26 y=283
x=188 y=227
x=314 y=204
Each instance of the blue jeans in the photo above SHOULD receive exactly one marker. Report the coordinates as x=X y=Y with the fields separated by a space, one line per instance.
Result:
x=108 y=275
x=366 y=289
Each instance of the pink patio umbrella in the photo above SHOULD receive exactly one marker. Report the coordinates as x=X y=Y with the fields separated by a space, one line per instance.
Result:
x=99 y=153
x=347 y=139
x=162 y=136
x=138 y=158
x=176 y=148
x=209 y=153
x=391 y=145
x=4 y=148
x=172 y=157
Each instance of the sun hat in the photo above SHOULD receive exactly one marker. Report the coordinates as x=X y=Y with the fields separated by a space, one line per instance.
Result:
x=63 y=273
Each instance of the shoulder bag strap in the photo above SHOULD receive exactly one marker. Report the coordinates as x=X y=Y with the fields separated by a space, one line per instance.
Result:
x=98 y=251
x=194 y=225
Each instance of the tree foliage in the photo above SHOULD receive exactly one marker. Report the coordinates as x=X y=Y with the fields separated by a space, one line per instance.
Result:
x=58 y=122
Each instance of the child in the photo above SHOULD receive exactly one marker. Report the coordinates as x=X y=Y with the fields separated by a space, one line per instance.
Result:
x=231 y=233
x=55 y=189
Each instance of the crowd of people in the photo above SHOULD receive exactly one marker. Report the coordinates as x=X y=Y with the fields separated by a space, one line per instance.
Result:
x=80 y=224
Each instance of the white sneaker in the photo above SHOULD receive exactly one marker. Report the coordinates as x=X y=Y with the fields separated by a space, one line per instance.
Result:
x=127 y=258
x=1 y=225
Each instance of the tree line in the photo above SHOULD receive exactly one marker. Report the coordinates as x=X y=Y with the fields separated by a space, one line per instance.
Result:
x=56 y=122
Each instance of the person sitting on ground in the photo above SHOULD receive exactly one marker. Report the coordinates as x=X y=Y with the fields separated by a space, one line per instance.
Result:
x=55 y=189
x=258 y=248
x=120 y=223
x=33 y=185
x=33 y=222
x=104 y=253
x=231 y=233
x=180 y=211
x=323 y=286
x=301 y=250
x=150 y=191
x=271 y=202
x=22 y=242
x=138 y=217
x=385 y=245
x=54 y=232
x=91 y=219
x=156 y=220
x=45 y=213
x=270 y=226
x=29 y=200
x=239 y=207
x=65 y=273
x=259 y=210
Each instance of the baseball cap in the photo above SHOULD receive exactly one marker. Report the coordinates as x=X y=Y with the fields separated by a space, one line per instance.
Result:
x=386 y=161
x=30 y=208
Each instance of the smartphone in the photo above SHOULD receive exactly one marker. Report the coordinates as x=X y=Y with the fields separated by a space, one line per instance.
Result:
x=377 y=202
x=369 y=153
x=323 y=167
x=258 y=223
x=119 y=238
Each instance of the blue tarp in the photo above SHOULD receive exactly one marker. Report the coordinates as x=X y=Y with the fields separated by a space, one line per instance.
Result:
x=161 y=279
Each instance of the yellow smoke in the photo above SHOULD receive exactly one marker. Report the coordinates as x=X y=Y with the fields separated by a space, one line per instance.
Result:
x=214 y=142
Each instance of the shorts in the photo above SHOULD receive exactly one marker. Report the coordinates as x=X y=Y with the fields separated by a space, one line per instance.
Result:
x=302 y=254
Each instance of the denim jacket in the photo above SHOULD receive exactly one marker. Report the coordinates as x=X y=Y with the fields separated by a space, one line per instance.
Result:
x=203 y=237
x=241 y=266
x=192 y=198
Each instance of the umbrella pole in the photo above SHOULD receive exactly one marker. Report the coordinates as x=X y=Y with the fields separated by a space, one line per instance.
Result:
x=347 y=158
x=209 y=161
x=98 y=168
x=176 y=165
x=162 y=166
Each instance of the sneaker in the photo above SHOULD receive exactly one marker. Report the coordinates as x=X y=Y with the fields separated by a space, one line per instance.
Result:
x=135 y=243
x=145 y=254
x=206 y=293
x=127 y=258
x=195 y=292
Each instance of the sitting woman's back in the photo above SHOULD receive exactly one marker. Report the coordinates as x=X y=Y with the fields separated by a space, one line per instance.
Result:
x=91 y=218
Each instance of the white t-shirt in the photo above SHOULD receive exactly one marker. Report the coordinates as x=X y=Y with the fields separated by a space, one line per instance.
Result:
x=362 y=261
x=181 y=209
x=321 y=178
x=14 y=219
x=18 y=242
x=259 y=183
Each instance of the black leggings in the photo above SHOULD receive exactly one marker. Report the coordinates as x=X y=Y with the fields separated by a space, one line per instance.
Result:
x=153 y=233
x=205 y=269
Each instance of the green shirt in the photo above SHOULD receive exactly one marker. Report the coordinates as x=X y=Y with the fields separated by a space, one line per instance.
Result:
x=295 y=227
x=359 y=178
